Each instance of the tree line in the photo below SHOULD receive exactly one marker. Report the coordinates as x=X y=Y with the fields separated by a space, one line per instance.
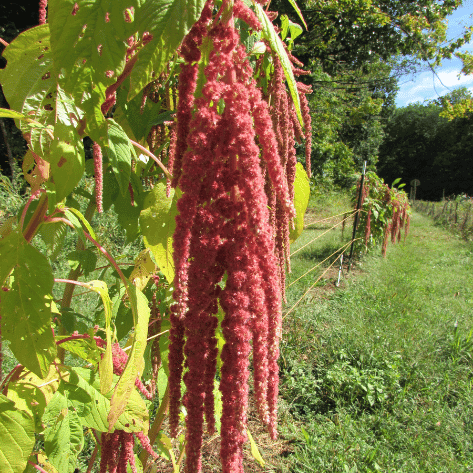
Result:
x=356 y=52
x=421 y=143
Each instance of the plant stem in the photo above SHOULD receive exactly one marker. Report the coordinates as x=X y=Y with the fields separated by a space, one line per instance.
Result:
x=37 y=218
x=92 y=459
x=152 y=156
x=37 y=467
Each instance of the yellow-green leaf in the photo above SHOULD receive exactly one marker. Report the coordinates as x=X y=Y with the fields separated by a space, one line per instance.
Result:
x=135 y=363
x=106 y=363
x=301 y=199
x=143 y=270
x=278 y=47
x=16 y=437
x=254 y=450
x=157 y=221
x=6 y=113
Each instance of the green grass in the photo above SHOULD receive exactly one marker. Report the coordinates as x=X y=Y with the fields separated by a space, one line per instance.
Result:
x=378 y=375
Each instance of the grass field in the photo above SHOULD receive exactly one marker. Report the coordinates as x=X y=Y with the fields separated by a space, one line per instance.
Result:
x=377 y=375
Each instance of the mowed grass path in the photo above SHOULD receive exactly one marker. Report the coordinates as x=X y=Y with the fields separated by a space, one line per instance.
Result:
x=378 y=375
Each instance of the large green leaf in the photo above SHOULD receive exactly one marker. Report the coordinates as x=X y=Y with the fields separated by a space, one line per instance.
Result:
x=26 y=307
x=30 y=399
x=134 y=417
x=67 y=160
x=129 y=213
x=301 y=199
x=31 y=89
x=16 y=437
x=135 y=363
x=93 y=35
x=278 y=47
x=139 y=119
x=298 y=11
x=119 y=151
x=168 y=21
x=63 y=435
x=157 y=221
x=26 y=81
x=83 y=348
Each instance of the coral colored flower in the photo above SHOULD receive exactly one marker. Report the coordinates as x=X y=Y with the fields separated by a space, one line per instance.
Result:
x=42 y=11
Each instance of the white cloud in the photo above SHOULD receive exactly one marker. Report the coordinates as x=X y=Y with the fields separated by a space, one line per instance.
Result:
x=428 y=86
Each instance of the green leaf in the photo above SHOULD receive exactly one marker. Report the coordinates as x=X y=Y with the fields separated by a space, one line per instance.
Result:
x=119 y=151
x=139 y=119
x=84 y=221
x=295 y=29
x=87 y=259
x=134 y=418
x=67 y=160
x=135 y=363
x=122 y=314
x=26 y=81
x=298 y=11
x=26 y=307
x=168 y=21
x=6 y=113
x=87 y=38
x=254 y=450
x=53 y=234
x=16 y=437
x=157 y=221
x=284 y=26
x=128 y=214
x=30 y=399
x=63 y=436
x=301 y=200
x=32 y=90
x=278 y=47
x=83 y=348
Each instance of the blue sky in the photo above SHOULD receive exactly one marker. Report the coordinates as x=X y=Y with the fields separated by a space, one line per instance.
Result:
x=425 y=85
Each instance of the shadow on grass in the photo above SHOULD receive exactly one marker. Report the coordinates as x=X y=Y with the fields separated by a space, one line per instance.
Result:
x=321 y=253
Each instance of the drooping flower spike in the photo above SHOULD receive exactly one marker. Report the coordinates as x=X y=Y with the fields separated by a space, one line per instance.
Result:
x=225 y=147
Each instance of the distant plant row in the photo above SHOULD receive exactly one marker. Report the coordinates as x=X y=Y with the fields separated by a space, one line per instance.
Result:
x=455 y=213
x=384 y=213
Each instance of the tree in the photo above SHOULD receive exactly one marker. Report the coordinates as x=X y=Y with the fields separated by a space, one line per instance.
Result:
x=359 y=49
x=422 y=144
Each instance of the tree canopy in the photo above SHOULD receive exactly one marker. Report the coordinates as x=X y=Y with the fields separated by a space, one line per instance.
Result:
x=422 y=144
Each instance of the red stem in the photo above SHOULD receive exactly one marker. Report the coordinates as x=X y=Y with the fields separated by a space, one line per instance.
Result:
x=74 y=337
x=9 y=377
x=92 y=459
x=107 y=255
x=23 y=214
x=37 y=467
x=152 y=156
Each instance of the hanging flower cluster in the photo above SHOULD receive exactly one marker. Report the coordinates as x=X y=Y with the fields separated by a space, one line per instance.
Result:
x=98 y=176
x=224 y=246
